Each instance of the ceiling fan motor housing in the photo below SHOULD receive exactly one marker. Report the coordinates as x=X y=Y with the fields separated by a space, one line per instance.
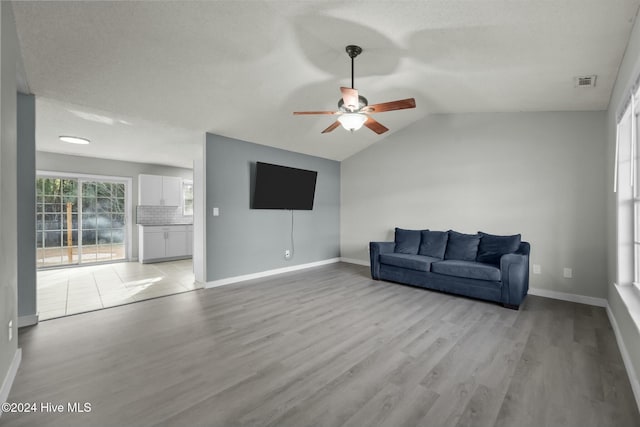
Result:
x=362 y=102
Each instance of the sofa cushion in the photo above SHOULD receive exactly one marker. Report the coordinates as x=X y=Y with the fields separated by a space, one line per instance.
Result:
x=412 y=262
x=492 y=247
x=407 y=241
x=467 y=269
x=433 y=243
x=462 y=247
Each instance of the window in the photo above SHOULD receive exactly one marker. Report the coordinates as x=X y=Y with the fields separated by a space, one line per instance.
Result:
x=627 y=187
x=187 y=198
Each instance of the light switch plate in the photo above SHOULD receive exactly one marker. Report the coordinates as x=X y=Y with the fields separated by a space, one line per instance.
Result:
x=216 y=212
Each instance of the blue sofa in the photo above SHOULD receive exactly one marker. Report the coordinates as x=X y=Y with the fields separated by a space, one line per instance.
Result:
x=482 y=265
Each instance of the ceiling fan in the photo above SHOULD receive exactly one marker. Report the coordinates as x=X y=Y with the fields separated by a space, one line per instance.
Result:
x=353 y=109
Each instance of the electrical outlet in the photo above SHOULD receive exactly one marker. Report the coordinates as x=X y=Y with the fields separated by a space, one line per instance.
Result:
x=568 y=273
x=10 y=330
x=537 y=269
x=287 y=254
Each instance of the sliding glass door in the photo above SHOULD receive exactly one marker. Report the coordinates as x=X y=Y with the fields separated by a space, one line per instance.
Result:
x=103 y=221
x=80 y=221
x=56 y=221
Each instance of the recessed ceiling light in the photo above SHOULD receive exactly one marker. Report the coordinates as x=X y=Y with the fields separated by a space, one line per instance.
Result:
x=74 y=140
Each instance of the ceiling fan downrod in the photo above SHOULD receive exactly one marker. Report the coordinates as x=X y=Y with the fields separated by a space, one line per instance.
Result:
x=353 y=51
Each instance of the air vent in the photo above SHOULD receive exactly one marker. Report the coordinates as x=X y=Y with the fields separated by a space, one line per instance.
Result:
x=585 y=81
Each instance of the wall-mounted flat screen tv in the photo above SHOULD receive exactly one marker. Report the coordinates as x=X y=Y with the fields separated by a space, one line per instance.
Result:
x=282 y=187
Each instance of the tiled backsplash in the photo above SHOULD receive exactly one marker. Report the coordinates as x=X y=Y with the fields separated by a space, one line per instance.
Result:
x=161 y=215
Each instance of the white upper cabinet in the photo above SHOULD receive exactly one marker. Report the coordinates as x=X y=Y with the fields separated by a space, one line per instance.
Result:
x=149 y=190
x=156 y=190
x=171 y=191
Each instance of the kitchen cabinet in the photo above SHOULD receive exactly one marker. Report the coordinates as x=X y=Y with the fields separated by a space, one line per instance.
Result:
x=177 y=243
x=156 y=190
x=153 y=244
x=171 y=191
x=164 y=242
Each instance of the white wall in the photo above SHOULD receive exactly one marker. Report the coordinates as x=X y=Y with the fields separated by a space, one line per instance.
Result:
x=538 y=174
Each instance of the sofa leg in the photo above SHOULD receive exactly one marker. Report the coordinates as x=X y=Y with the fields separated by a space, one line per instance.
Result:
x=511 y=306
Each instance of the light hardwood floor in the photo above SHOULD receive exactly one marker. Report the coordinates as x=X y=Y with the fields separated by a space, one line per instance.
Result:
x=327 y=347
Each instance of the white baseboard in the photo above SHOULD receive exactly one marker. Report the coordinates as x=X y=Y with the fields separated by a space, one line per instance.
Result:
x=355 y=261
x=11 y=375
x=245 y=277
x=631 y=372
x=29 y=320
x=582 y=299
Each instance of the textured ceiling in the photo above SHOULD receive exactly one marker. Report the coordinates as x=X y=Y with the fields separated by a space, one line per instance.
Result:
x=114 y=136
x=239 y=68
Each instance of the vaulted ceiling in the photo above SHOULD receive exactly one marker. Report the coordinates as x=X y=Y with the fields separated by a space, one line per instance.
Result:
x=240 y=68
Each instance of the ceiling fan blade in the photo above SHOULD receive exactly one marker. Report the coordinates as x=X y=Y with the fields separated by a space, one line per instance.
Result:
x=350 y=98
x=332 y=127
x=375 y=126
x=401 y=104
x=314 y=112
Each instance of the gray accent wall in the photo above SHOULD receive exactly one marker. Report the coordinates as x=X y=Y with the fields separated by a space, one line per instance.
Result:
x=241 y=240
x=26 y=157
x=8 y=191
x=538 y=174
x=53 y=162
x=621 y=304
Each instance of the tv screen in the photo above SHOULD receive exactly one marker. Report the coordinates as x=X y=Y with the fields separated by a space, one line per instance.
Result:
x=282 y=187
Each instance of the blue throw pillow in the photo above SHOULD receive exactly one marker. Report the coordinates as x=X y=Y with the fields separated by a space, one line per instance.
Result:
x=462 y=247
x=407 y=241
x=433 y=243
x=492 y=247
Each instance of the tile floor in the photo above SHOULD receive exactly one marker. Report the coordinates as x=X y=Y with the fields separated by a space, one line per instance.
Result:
x=66 y=291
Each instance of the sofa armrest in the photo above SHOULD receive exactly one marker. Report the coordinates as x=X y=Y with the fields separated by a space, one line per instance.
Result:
x=524 y=249
x=514 y=269
x=375 y=249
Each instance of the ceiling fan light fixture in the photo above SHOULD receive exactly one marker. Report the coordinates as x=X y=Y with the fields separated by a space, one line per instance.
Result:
x=352 y=121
